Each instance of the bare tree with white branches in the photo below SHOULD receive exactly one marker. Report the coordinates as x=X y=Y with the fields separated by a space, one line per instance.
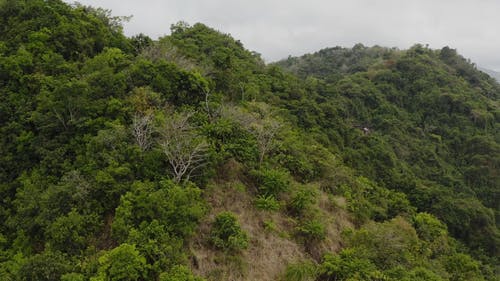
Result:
x=142 y=129
x=185 y=150
x=265 y=132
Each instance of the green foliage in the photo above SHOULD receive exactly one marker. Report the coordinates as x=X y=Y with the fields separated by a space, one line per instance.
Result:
x=350 y=264
x=70 y=233
x=332 y=63
x=429 y=227
x=227 y=234
x=73 y=277
x=312 y=230
x=179 y=273
x=75 y=33
x=462 y=267
x=161 y=250
x=301 y=200
x=405 y=121
x=393 y=251
x=231 y=140
x=416 y=274
x=302 y=271
x=45 y=266
x=271 y=182
x=391 y=131
x=391 y=243
x=422 y=274
x=270 y=226
x=302 y=157
x=267 y=203
x=122 y=263
x=470 y=221
x=367 y=200
x=177 y=208
x=10 y=269
x=433 y=233
x=231 y=65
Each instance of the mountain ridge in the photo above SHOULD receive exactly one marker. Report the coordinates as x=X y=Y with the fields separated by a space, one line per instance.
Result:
x=189 y=158
x=492 y=73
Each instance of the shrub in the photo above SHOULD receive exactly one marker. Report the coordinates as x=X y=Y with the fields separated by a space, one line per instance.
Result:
x=227 y=234
x=271 y=181
x=428 y=227
x=349 y=264
x=270 y=226
x=161 y=250
x=301 y=200
x=369 y=201
x=422 y=274
x=302 y=271
x=462 y=267
x=181 y=207
x=179 y=273
x=312 y=230
x=231 y=140
x=389 y=244
x=268 y=203
x=73 y=277
x=123 y=263
x=46 y=266
x=70 y=233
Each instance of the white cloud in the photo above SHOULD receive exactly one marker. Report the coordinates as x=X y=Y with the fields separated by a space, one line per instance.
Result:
x=278 y=28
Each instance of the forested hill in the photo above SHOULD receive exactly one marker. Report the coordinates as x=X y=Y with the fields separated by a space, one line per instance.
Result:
x=187 y=158
x=492 y=73
x=433 y=113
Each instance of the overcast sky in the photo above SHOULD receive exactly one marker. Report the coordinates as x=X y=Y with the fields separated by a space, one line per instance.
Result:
x=277 y=29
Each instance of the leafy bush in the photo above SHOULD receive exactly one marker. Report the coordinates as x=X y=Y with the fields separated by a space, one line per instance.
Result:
x=349 y=264
x=423 y=274
x=312 y=230
x=161 y=250
x=270 y=226
x=428 y=227
x=268 y=203
x=368 y=200
x=231 y=140
x=123 y=263
x=179 y=273
x=271 y=181
x=301 y=200
x=302 y=271
x=73 y=277
x=227 y=234
x=462 y=267
x=389 y=244
x=70 y=233
x=46 y=266
x=177 y=208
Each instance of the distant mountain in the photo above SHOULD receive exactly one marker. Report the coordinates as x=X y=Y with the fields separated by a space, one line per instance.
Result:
x=492 y=73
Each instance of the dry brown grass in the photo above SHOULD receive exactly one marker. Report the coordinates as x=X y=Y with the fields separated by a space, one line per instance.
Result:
x=272 y=245
x=268 y=253
x=336 y=219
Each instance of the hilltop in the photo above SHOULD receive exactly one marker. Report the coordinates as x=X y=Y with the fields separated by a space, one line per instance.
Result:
x=189 y=158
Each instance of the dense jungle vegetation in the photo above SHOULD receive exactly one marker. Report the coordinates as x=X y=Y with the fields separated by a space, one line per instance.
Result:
x=188 y=158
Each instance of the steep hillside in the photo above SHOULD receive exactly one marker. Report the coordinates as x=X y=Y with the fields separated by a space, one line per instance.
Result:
x=492 y=73
x=431 y=130
x=187 y=158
